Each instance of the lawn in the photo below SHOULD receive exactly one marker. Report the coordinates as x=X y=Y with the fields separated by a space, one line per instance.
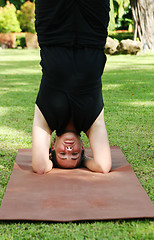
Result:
x=128 y=83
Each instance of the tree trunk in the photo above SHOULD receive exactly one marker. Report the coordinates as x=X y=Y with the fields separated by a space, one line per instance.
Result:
x=142 y=11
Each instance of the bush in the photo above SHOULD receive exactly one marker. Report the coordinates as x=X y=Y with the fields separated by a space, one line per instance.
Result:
x=20 y=41
x=8 y=19
x=2 y=3
x=121 y=35
x=26 y=16
x=18 y=3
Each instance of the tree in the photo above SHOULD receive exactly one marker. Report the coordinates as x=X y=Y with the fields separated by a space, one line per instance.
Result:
x=121 y=5
x=142 y=11
x=17 y=3
x=26 y=16
x=123 y=16
x=2 y=3
x=8 y=19
x=112 y=19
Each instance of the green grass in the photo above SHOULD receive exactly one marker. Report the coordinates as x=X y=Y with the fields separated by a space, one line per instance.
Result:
x=128 y=93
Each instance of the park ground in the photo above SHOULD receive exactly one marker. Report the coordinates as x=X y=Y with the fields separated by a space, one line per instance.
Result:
x=128 y=83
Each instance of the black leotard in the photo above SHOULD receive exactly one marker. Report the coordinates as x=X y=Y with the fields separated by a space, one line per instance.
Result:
x=71 y=86
x=71 y=82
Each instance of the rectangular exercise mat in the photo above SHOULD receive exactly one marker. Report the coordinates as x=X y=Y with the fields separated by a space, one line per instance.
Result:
x=76 y=194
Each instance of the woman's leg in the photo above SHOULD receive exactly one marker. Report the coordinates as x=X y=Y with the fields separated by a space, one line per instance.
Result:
x=41 y=138
x=99 y=143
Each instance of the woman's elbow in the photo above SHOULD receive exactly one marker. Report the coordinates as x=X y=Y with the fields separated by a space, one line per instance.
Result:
x=102 y=167
x=105 y=170
x=40 y=169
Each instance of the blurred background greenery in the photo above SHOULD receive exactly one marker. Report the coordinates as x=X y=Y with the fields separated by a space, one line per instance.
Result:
x=120 y=14
x=129 y=19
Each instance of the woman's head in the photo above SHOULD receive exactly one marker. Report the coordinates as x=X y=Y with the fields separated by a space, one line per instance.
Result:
x=68 y=150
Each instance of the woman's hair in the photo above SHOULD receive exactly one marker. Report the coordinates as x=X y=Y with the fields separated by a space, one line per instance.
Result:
x=56 y=164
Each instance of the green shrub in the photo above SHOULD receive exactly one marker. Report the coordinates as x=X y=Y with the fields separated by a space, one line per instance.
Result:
x=18 y=3
x=20 y=41
x=26 y=17
x=121 y=35
x=2 y=3
x=8 y=19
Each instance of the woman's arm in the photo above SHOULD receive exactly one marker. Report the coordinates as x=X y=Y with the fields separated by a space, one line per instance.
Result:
x=40 y=145
x=99 y=143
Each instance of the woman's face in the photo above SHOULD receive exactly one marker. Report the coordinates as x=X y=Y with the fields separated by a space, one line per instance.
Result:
x=68 y=149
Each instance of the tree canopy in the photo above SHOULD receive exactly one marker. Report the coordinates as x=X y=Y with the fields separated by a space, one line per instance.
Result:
x=121 y=15
x=17 y=3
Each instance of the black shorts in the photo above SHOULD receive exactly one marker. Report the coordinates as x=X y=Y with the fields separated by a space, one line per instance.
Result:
x=71 y=87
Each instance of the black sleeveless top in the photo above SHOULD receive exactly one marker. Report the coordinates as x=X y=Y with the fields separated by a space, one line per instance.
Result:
x=72 y=22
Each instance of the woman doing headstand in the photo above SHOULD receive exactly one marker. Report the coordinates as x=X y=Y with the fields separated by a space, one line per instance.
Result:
x=72 y=36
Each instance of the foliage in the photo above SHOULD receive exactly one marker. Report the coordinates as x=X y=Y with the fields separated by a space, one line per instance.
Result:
x=120 y=35
x=8 y=19
x=20 y=41
x=120 y=6
x=126 y=22
x=112 y=19
x=123 y=15
x=17 y=3
x=26 y=17
x=2 y=3
x=120 y=15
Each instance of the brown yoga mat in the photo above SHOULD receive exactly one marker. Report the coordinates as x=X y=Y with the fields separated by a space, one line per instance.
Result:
x=74 y=195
